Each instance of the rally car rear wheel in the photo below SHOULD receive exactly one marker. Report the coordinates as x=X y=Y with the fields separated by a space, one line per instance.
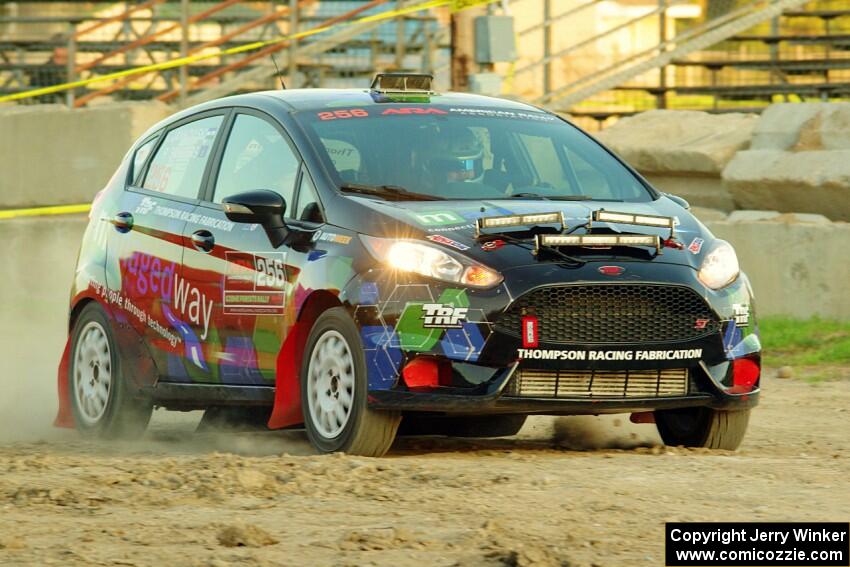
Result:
x=100 y=398
x=703 y=427
x=334 y=390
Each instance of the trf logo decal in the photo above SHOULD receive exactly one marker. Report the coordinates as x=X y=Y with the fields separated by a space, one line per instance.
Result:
x=530 y=334
x=439 y=316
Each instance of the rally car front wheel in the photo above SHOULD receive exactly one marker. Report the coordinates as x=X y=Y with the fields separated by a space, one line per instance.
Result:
x=702 y=427
x=101 y=400
x=334 y=391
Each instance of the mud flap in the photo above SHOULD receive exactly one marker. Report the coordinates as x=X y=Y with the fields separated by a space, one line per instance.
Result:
x=287 y=395
x=65 y=416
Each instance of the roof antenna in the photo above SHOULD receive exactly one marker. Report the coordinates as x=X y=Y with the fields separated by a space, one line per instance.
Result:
x=279 y=76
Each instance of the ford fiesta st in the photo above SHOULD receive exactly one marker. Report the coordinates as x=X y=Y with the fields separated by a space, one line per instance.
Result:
x=343 y=259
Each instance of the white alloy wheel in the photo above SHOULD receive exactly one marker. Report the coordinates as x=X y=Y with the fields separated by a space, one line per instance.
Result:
x=330 y=384
x=92 y=372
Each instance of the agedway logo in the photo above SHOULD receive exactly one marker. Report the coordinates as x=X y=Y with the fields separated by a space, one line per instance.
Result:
x=554 y=354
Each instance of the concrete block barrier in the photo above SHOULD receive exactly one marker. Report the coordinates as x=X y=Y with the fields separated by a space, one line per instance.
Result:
x=797 y=262
x=50 y=155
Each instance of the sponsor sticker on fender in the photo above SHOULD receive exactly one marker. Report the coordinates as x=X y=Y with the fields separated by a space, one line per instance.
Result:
x=440 y=239
x=530 y=334
x=331 y=237
x=438 y=218
x=742 y=314
x=608 y=355
x=696 y=245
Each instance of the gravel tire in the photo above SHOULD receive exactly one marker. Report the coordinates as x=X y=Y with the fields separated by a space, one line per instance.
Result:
x=334 y=391
x=102 y=401
x=703 y=427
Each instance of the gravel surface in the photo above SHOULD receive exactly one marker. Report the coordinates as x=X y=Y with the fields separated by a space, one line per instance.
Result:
x=567 y=491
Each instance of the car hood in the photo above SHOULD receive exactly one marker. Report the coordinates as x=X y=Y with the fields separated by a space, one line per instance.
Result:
x=451 y=224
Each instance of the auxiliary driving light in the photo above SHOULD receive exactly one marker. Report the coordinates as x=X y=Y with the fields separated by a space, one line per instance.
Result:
x=597 y=240
x=520 y=220
x=628 y=218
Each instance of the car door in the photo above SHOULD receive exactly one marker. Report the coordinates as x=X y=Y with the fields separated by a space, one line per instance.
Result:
x=249 y=282
x=145 y=249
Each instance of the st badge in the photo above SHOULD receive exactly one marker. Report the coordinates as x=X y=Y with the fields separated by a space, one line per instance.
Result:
x=530 y=335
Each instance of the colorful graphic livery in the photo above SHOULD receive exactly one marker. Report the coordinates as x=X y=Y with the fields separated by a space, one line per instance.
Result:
x=362 y=260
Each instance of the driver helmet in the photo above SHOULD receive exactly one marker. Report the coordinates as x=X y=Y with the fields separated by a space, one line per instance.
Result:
x=456 y=155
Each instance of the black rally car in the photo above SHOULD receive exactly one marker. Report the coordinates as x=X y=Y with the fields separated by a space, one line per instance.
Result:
x=343 y=258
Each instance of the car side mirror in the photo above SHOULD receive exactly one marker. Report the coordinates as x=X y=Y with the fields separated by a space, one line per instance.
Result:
x=679 y=201
x=263 y=207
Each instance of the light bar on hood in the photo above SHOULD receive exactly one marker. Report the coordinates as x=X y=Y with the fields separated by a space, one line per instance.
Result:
x=629 y=218
x=532 y=219
x=598 y=240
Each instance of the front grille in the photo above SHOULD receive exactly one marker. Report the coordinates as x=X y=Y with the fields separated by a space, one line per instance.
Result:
x=528 y=383
x=612 y=314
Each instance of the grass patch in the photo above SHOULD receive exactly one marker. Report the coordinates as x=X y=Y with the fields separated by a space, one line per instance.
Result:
x=811 y=342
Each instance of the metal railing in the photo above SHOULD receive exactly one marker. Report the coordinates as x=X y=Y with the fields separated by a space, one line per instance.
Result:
x=95 y=45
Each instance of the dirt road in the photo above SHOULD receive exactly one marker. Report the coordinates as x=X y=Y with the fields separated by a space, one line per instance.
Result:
x=571 y=491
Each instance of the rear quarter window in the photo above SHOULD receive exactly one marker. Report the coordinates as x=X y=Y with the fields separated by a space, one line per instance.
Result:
x=140 y=158
x=178 y=166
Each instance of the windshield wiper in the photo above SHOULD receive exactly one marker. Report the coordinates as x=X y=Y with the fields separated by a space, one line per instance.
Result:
x=387 y=192
x=528 y=196
x=559 y=197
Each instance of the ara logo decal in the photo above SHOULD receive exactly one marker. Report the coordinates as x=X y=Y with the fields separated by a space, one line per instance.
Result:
x=440 y=316
x=439 y=218
x=414 y=110
x=696 y=245
x=440 y=239
x=742 y=314
x=491 y=245
x=530 y=333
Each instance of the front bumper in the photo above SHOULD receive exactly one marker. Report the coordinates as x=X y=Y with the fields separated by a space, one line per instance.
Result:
x=484 y=352
x=492 y=397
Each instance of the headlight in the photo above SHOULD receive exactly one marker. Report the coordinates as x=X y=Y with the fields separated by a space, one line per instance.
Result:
x=430 y=261
x=720 y=266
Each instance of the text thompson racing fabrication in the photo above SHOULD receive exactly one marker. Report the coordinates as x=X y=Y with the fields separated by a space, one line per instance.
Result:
x=346 y=258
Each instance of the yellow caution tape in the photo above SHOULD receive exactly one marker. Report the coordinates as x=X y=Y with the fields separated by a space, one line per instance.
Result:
x=456 y=6
x=42 y=211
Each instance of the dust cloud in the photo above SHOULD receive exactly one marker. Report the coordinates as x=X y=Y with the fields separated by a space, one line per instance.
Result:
x=32 y=336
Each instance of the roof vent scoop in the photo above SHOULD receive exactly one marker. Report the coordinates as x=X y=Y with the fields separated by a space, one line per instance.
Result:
x=419 y=83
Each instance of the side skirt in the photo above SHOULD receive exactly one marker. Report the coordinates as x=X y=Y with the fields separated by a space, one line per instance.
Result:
x=181 y=396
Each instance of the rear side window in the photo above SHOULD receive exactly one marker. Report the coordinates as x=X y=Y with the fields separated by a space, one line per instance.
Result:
x=256 y=157
x=178 y=166
x=140 y=158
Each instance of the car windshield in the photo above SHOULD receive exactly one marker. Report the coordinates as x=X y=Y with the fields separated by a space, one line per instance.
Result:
x=450 y=152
